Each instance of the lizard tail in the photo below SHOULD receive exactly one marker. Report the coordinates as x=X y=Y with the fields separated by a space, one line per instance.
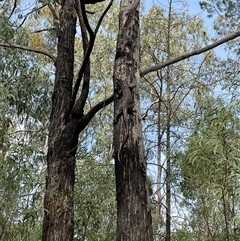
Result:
x=120 y=149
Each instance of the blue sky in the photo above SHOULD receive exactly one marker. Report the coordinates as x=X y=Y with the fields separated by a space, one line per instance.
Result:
x=194 y=8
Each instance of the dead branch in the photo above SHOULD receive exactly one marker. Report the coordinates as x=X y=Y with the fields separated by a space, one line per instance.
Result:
x=190 y=54
x=34 y=50
x=149 y=107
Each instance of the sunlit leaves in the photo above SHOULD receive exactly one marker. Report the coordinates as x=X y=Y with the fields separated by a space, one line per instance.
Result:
x=25 y=88
x=209 y=169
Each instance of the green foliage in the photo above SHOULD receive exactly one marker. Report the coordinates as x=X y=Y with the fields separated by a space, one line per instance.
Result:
x=204 y=128
x=24 y=108
x=210 y=170
x=95 y=204
x=226 y=20
x=228 y=7
x=171 y=89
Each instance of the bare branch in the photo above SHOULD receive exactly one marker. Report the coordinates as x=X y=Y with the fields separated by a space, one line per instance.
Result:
x=83 y=122
x=85 y=20
x=90 y=12
x=83 y=95
x=92 y=1
x=39 y=51
x=44 y=30
x=102 y=16
x=149 y=107
x=14 y=7
x=180 y=102
x=26 y=16
x=190 y=54
x=77 y=106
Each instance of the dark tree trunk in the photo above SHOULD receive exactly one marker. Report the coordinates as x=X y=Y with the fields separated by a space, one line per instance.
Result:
x=58 y=203
x=66 y=122
x=133 y=213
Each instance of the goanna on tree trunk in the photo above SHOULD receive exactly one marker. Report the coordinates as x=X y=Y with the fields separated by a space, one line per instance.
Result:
x=133 y=214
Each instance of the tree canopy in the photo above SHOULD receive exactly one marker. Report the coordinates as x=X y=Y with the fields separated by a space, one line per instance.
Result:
x=119 y=120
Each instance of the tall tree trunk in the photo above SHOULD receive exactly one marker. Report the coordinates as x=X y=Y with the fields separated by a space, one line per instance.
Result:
x=58 y=203
x=133 y=213
x=168 y=168
x=67 y=120
x=168 y=136
x=159 y=154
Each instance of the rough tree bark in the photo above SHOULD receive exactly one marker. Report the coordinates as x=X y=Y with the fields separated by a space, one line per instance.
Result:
x=67 y=120
x=133 y=213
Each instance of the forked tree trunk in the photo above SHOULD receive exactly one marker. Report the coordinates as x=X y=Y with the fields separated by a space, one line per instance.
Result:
x=133 y=213
x=66 y=122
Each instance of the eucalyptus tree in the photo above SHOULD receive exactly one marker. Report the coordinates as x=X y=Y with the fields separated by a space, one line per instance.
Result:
x=210 y=171
x=73 y=109
x=25 y=94
x=168 y=96
x=226 y=18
